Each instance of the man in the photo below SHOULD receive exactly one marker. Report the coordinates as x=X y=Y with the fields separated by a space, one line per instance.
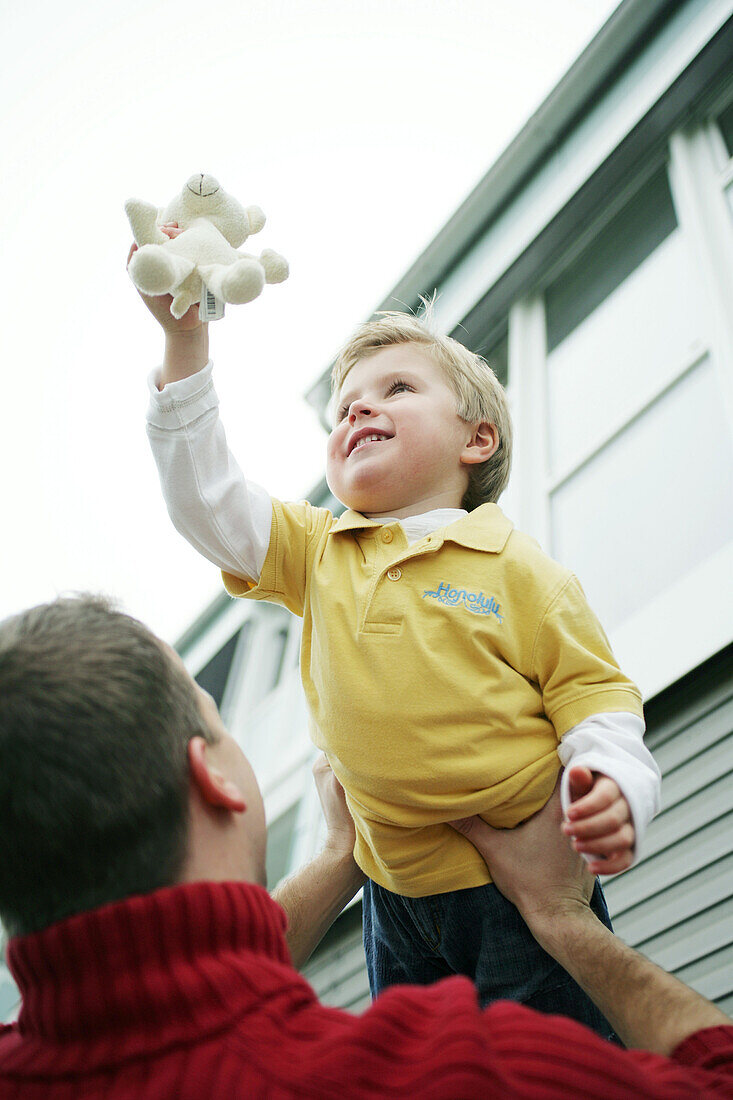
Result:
x=153 y=963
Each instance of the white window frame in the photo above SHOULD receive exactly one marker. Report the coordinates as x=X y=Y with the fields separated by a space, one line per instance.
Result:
x=646 y=647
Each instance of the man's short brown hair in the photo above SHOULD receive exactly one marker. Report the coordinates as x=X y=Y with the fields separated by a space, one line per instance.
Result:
x=95 y=718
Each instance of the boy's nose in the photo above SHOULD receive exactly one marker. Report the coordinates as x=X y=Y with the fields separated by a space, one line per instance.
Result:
x=358 y=408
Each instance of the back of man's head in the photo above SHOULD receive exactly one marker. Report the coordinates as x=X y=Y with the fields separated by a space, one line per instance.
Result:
x=95 y=719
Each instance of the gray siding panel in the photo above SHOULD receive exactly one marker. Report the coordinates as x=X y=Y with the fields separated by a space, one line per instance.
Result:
x=337 y=970
x=676 y=904
x=674 y=863
x=680 y=902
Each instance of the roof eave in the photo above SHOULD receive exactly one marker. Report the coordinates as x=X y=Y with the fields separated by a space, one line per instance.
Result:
x=622 y=35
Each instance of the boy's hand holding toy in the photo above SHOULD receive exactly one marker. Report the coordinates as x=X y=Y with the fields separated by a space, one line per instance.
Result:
x=203 y=254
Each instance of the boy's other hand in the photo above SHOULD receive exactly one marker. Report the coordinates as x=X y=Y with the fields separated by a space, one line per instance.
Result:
x=598 y=822
x=160 y=304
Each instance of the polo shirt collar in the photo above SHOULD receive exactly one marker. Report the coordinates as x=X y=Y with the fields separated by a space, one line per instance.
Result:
x=353 y=521
x=486 y=528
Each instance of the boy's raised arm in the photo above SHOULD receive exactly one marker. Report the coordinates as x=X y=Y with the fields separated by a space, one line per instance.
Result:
x=224 y=517
x=186 y=353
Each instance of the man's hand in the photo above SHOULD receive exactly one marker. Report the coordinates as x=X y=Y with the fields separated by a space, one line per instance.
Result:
x=341 y=831
x=599 y=822
x=550 y=884
x=533 y=865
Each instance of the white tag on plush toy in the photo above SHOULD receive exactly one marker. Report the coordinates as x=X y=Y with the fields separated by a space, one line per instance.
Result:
x=210 y=308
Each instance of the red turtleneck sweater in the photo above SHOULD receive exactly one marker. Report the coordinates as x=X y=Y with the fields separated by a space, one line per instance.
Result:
x=189 y=994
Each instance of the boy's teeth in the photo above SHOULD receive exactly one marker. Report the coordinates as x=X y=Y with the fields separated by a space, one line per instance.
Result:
x=368 y=439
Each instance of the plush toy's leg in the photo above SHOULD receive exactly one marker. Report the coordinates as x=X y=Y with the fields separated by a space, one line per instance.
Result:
x=154 y=270
x=237 y=283
x=275 y=265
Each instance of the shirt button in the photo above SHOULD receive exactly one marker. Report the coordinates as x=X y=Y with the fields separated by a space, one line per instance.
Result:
x=394 y=574
x=387 y=536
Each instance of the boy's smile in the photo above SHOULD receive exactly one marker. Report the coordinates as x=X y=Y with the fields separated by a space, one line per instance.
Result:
x=363 y=437
x=398 y=446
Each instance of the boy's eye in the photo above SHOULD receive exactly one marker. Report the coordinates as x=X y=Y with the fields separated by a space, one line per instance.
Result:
x=397 y=386
x=394 y=387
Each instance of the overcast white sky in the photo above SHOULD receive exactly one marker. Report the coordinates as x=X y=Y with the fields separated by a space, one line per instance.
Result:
x=358 y=125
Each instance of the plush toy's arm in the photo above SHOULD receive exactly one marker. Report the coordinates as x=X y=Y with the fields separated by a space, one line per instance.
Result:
x=142 y=217
x=256 y=219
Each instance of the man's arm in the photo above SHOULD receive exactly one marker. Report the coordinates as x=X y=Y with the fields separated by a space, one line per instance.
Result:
x=315 y=895
x=537 y=870
x=647 y=1007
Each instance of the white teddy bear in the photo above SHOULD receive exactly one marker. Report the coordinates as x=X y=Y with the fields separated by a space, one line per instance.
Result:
x=213 y=225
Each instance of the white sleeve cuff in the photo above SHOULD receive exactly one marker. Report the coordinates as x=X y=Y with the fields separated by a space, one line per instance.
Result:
x=613 y=744
x=180 y=403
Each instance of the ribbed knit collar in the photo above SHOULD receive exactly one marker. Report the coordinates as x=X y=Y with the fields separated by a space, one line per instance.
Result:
x=141 y=974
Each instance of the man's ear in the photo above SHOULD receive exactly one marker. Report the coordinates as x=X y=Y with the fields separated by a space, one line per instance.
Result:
x=482 y=445
x=213 y=786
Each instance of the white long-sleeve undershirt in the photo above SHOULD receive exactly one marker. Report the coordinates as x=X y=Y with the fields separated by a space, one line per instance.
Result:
x=228 y=519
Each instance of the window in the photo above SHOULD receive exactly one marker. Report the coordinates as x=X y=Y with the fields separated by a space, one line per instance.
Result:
x=652 y=504
x=638 y=445
x=725 y=125
x=498 y=360
x=213 y=676
x=280 y=643
x=280 y=836
x=625 y=352
x=9 y=995
x=617 y=250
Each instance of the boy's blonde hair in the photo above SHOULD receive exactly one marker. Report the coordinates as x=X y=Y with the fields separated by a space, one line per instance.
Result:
x=479 y=394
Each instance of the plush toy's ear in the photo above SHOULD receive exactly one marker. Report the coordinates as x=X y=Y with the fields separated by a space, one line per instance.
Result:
x=234 y=225
x=256 y=218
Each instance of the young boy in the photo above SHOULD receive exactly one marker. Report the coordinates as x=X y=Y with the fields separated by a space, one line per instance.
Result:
x=449 y=665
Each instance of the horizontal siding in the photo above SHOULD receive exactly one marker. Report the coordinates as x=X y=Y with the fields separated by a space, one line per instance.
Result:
x=711 y=725
x=709 y=886
x=676 y=904
x=337 y=970
x=673 y=863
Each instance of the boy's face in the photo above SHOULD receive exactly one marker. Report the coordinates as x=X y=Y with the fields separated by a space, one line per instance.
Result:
x=399 y=446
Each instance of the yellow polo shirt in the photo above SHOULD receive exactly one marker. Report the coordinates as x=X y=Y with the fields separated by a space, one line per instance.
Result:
x=439 y=676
